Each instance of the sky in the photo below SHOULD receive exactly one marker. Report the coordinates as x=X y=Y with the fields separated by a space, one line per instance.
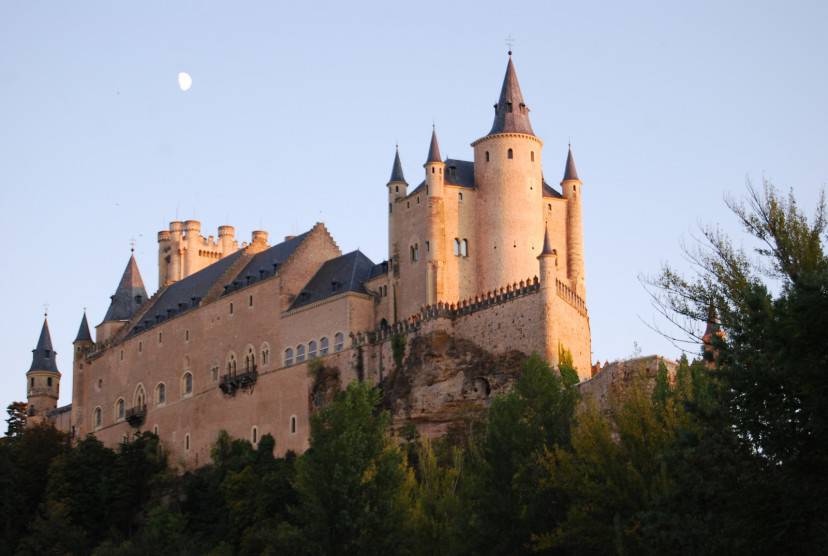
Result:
x=295 y=109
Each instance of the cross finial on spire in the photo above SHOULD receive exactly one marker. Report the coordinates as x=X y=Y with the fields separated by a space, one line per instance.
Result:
x=510 y=42
x=132 y=245
x=45 y=310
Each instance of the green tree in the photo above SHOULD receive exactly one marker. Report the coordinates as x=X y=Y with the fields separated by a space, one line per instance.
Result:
x=500 y=487
x=353 y=484
x=772 y=358
x=438 y=507
x=17 y=419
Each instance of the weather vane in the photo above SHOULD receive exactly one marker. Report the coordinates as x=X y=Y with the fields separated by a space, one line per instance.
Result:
x=132 y=245
x=45 y=309
x=510 y=42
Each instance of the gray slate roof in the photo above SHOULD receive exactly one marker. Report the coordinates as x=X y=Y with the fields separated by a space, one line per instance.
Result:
x=129 y=296
x=511 y=113
x=458 y=172
x=345 y=273
x=570 y=172
x=43 y=356
x=396 y=170
x=83 y=331
x=434 y=149
x=187 y=294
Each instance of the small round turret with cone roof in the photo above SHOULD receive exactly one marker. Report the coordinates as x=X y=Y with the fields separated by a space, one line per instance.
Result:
x=127 y=299
x=571 y=188
x=83 y=341
x=397 y=186
x=43 y=377
x=548 y=262
x=434 y=167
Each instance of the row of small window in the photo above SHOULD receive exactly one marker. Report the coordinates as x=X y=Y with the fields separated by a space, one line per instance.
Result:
x=119 y=410
x=48 y=382
x=254 y=431
x=249 y=360
x=461 y=249
x=313 y=349
x=510 y=154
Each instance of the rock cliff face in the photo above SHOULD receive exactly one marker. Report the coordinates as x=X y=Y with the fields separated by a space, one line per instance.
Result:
x=444 y=381
x=614 y=378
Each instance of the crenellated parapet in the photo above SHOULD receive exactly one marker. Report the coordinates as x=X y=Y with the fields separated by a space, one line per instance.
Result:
x=568 y=294
x=450 y=311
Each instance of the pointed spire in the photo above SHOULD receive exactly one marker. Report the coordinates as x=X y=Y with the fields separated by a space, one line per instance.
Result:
x=43 y=356
x=396 y=170
x=434 y=148
x=570 y=172
x=511 y=113
x=83 y=331
x=129 y=296
x=547 y=244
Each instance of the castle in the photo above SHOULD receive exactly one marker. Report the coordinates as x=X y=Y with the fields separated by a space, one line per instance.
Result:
x=485 y=251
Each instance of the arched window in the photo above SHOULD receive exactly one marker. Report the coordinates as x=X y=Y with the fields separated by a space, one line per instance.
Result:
x=311 y=349
x=250 y=359
x=293 y=424
x=532 y=156
x=231 y=363
x=97 y=418
x=161 y=393
x=300 y=353
x=323 y=345
x=120 y=410
x=288 y=357
x=155 y=430
x=510 y=154
x=464 y=248
x=265 y=353
x=456 y=247
x=187 y=384
x=339 y=342
x=140 y=399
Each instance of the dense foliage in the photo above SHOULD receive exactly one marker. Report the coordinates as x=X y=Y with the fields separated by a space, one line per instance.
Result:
x=727 y=455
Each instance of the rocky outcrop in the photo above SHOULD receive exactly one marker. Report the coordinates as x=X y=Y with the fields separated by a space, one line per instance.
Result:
x=444 y=381
x=611 y=380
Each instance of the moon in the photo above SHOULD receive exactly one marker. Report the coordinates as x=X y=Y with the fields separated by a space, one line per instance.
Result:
x=184 y=81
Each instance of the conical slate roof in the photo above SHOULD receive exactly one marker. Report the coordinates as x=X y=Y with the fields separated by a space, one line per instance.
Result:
x=434 y=148
x=511 y=113
x=129 y=296
x=570 y=172
x=396 y=170
x=43 y=356
x=547 y=243
x=83 y=331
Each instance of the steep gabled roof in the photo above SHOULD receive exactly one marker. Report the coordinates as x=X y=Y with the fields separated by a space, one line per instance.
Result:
x=129 y=296
x=345 y=273
x=267 y=262
x=511 y=113
x=43 y=356
x=83 y=331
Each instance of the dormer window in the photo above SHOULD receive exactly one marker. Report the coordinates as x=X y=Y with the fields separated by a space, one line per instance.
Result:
x=452 y=171
x=47 y=353
x=139 y=299
x=508 y=107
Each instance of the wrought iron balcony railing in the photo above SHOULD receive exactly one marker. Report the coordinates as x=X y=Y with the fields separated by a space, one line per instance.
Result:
x=235 y=381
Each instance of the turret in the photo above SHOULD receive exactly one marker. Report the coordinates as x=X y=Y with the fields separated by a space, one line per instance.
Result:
x=83 y=344
x=126 y=300
x=508 y=177
x=434 y=167
x=397 y=189
x=164 y=257
x=192 y=231
x=571 y=188
x=227 y=241
x=548 y=263
x=43 y=377
x=83 y=340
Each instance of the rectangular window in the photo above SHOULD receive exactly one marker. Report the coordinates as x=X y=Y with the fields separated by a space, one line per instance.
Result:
x=186 y=335
x=250 y=301
x=159 y=338
x=231 y=308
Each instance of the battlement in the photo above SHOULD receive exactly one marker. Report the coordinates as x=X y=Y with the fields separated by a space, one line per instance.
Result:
x=568 y=294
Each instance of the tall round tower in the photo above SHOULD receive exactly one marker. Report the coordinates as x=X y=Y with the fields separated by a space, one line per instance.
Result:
x=42 y=378
x=571 y=188
x=508 y=177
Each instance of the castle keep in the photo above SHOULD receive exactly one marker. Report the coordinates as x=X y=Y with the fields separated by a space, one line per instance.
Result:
x=483 y=251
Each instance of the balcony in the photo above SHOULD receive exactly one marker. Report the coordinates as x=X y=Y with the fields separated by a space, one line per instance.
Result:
x=135 y=415
x=233 y=382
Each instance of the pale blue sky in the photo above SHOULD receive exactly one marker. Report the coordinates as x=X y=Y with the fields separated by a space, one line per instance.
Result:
x=295 y=109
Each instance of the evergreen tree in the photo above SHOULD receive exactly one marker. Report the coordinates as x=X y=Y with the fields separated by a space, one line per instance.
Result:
x=17 y=419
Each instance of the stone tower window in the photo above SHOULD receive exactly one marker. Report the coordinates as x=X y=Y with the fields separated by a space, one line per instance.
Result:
x=250 y=301
x=456 y=247
x=487 y=156
x=464 y=248
x=510 y=154
x=31 y=382
x=254 y=435
x=396 y=189
x=532 y=156
x=508 y=106
x=97 y=418
x=323 y=345
x=432 y=169
x=187 y=442
x=339 y=341
x=187 y=384
x=293 y=424
x=161 y=393
x=140 y=347
x=49 y=381
x=231 y=308
x=460 y=195
x=120 y=410
x=186 y=335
